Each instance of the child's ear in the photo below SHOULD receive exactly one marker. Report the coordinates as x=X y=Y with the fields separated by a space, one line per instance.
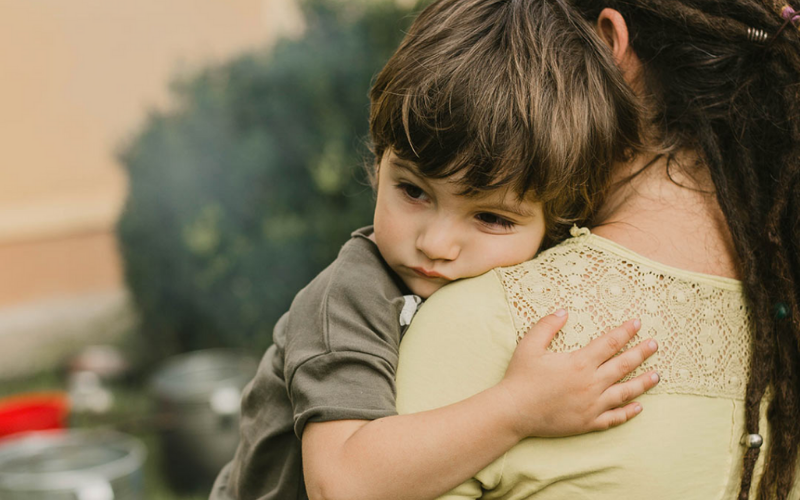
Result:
x=613 y=30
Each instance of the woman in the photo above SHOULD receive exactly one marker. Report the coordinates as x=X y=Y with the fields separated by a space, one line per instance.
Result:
x=699 y=236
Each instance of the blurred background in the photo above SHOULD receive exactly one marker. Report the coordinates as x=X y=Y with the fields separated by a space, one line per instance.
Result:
x=171 y=174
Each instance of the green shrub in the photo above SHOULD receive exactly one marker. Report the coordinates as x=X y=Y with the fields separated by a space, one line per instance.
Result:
x=248 y=189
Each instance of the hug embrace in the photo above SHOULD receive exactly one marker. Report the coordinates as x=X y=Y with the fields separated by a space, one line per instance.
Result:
x=591 y=211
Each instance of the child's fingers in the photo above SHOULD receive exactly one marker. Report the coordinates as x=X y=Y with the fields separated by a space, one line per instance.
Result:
x=542 y=333
x=610 y=343
x=619 y=366
x=620 y=394
x=617 y=416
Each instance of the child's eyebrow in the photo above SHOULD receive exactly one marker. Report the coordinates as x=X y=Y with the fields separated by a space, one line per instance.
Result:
x=518 y=209
x=405 y=165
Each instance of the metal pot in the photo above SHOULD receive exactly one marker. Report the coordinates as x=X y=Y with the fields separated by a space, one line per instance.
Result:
x=198 y=398
x=71 y=465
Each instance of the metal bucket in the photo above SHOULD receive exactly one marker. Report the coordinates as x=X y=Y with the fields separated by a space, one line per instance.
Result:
x=198 y=398
x=71 y=465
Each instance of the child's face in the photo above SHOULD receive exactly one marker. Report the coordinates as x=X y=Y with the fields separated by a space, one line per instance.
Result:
x=430 y=235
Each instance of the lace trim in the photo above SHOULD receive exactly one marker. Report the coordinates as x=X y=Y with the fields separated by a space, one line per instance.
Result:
x=702 y=327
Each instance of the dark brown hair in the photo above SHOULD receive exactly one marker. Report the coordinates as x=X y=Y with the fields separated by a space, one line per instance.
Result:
x=737 y=103
x=507 y=93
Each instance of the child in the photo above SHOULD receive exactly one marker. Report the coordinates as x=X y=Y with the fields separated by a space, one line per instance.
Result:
x=485 y=145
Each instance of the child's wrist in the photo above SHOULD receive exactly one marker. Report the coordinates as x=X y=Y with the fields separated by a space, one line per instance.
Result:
x=512 y=420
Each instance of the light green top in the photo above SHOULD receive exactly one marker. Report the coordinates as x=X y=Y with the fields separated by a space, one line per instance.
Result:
x=685 y=444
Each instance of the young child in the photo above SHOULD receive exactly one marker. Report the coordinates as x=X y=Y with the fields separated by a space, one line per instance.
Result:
x=486 y=144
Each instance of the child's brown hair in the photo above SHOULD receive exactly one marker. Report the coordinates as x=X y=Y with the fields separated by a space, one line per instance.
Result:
x=507 y=93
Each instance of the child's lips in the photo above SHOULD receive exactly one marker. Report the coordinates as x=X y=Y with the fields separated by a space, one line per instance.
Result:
x=429 y=274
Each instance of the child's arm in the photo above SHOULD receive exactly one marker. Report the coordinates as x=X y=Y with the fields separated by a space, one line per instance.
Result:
x=423 y=455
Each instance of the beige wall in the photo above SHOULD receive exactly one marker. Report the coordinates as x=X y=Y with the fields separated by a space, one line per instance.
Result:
x=77 y=79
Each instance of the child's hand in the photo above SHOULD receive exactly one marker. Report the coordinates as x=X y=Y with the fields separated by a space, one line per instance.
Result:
x=562 y=394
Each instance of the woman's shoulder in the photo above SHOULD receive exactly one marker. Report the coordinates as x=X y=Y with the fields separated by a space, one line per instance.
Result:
x=458 y=344
x=476 y=296
x=589 y=273
x=586 y=255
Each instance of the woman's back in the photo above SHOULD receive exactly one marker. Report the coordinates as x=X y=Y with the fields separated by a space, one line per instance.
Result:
x=686 y=444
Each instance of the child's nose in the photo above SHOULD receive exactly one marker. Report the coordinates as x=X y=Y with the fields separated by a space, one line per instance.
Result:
x=439 y=242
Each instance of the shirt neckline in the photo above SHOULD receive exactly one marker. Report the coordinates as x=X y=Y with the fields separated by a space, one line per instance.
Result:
x=616 y=248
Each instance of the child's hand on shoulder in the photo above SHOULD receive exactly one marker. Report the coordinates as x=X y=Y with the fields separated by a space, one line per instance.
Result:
x=562 y=394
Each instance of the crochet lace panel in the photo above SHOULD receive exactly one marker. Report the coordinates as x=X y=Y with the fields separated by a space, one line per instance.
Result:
x=702 y=328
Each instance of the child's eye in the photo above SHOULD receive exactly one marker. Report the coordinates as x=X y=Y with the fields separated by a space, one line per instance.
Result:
x=412 y=191
x=494 y=220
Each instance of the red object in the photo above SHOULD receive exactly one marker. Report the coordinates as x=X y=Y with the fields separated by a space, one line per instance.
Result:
x=33 y=412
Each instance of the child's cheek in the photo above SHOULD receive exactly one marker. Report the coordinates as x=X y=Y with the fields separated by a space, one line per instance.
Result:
x=385 y=231
x=388 y=220
x=522 y=250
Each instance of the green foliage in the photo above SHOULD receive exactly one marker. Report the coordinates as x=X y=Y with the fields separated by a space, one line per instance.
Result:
x=244 y=193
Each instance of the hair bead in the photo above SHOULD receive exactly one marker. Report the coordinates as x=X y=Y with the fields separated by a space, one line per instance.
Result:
x=790 y=16
x=756 y=35
x=781 y=310
x=752 y=441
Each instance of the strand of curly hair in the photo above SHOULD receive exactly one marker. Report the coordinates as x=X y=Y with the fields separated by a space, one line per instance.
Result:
x=737 y=103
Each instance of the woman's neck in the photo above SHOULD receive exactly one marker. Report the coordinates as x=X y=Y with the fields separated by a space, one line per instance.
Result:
x=670 y=216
